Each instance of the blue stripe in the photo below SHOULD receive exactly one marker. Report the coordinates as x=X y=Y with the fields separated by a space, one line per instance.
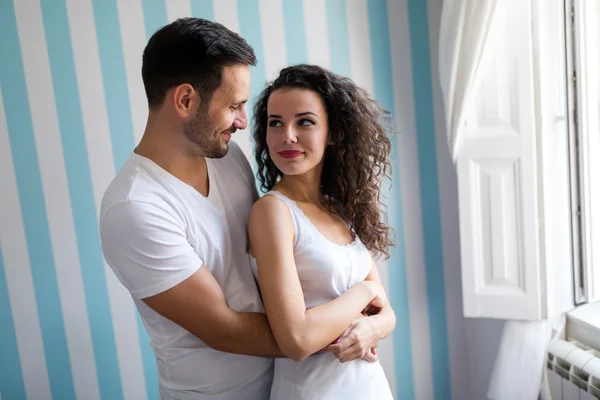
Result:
x=203 y=9
x=115 y=80
x=382 y=79
x=122 y=136
x=337 y=30
x=250 y=30
x=33 y=207
x=155 y=16
x=428 y=179
x=295 y=39
x=11 y=377
x=68 y=107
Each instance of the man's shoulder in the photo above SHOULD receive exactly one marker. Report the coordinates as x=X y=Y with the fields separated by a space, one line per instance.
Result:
x=132 y=187
x=234 y=170
x=236 y=158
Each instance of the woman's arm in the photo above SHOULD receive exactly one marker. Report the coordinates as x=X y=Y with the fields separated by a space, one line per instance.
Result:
x=385 y=320
x=365 y=333
x=299 y=332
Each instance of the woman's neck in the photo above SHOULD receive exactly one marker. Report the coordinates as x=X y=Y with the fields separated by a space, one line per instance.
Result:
x=302 y=188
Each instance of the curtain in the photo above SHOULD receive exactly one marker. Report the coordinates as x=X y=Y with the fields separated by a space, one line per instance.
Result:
x=465 y=30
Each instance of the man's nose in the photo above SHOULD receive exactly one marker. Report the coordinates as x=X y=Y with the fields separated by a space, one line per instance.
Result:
x=241 y=120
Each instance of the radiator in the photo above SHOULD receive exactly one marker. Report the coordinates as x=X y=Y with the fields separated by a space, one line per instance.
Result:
x=573 y=371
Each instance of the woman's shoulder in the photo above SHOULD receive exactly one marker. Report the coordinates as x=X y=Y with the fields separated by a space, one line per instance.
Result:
x=268 y=206
x=270 y=216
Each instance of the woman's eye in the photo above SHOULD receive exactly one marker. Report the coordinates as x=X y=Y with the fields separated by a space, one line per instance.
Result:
x=305 y=122
x=274 y=123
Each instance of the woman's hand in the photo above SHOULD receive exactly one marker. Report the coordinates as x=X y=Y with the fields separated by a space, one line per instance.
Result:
x=359 y=341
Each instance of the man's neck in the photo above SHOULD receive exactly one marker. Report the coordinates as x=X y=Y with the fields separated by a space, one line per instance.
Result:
x=168 y=150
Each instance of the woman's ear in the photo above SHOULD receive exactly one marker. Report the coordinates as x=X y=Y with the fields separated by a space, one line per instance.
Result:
x=329 y=140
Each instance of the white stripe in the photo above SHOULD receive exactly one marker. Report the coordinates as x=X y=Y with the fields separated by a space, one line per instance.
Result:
x=315 y=29
x=360 y=45
x=56 y=193
x=447 y=186
x=133 y=38
x=408 y=168
x=18 y=276
x=97 y=133
x=91 y=92
x=273 y=37
x=178 y=9
x=226 y=13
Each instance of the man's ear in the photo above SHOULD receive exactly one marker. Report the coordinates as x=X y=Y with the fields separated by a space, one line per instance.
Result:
x=185 y=100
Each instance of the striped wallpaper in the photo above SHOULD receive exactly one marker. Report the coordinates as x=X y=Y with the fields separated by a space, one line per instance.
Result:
x=72 y=107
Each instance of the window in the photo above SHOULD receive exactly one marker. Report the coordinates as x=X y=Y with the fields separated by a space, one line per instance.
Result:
x=583 y=51
x=583 y=72
x=528 y=163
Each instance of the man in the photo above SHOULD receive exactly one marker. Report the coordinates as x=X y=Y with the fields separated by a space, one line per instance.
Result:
x=173 y=221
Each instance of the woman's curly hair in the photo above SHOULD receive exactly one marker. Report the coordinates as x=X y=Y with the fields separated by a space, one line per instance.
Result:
x=354 y=162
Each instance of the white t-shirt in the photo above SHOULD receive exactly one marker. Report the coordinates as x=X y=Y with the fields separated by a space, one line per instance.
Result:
x=156 y=231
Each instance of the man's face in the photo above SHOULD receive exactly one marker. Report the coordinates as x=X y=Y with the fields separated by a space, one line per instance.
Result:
x=213 y=125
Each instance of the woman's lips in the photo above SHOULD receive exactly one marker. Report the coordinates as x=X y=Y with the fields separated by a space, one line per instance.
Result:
x=290 y=153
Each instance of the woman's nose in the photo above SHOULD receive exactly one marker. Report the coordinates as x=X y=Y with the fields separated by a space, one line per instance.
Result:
x=289 y=136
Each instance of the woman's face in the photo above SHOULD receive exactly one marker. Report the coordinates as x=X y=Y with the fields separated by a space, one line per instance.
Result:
x=297 y=132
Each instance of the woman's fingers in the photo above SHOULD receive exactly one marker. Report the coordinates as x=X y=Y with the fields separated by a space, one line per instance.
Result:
x=370 y=356
x=352 y=353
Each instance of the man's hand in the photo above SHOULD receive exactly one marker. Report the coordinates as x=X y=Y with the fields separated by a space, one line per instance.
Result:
x=359 y=341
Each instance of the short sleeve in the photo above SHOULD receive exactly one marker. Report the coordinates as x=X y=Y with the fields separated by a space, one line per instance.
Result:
x=146 y=247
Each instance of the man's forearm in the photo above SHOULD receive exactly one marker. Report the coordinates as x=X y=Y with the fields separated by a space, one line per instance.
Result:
x=247 y=333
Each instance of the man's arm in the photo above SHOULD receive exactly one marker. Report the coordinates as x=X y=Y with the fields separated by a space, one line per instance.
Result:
x=198 y=305
x=147 y=248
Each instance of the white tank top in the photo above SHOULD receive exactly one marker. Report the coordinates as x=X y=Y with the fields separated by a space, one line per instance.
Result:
x=326 y=270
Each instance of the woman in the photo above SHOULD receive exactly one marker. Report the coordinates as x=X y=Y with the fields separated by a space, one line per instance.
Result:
x=321 y=149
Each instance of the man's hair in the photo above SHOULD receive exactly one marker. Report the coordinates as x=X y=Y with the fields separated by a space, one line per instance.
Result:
x=194 y=51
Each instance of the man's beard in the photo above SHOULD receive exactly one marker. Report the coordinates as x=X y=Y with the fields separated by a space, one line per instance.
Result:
x=201 y=132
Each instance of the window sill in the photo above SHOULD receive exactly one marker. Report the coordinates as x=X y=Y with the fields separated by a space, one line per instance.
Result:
x=583 y=324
